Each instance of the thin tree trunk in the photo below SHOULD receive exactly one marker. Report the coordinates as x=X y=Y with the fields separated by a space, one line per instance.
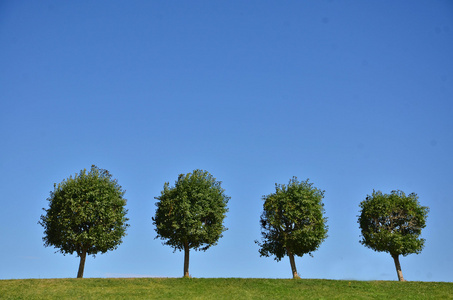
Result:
x=83 y=256
x=186 y=259
x=398 y=267
x=293 y=265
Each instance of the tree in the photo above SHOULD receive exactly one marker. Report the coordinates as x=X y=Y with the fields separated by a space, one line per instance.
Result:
x=86 y=215
x=190 y=214
x=292 y=222
x=392 y=223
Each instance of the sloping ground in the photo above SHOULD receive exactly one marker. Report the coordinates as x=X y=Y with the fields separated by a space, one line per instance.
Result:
x=220 y=288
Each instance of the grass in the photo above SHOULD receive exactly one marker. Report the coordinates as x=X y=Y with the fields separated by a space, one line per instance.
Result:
x=220 y=288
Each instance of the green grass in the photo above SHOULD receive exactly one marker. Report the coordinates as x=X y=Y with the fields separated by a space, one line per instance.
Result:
x=220 y=288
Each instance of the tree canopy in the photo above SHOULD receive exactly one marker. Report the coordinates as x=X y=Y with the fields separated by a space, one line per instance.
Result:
x=292 y=222
x=86 y=215
x=190 y=214
x=393 y=223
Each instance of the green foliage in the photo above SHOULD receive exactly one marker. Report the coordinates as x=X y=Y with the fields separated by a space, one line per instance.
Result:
x=220 y=288
x=86 y=214
x=191 y=212
x=392 y=223
x=292 y=220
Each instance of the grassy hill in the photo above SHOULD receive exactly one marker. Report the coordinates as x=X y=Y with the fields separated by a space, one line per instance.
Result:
x=220 y=288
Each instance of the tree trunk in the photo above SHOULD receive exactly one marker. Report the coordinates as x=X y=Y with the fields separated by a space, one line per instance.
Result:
x=293 y=265
x=398 y=267
x=186 y=260
x=83 y=256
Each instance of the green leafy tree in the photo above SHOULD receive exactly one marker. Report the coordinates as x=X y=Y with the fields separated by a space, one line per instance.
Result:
x=393 y=223
x=190 y=215
x=292 y=222
x=86 y=215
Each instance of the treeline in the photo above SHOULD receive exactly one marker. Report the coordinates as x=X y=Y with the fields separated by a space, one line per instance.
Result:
x=87 y=215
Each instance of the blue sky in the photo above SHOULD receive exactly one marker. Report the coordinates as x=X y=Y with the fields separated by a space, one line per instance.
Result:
x=354 y=95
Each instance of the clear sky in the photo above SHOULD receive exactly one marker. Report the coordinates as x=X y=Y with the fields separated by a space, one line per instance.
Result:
x=354 y=95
